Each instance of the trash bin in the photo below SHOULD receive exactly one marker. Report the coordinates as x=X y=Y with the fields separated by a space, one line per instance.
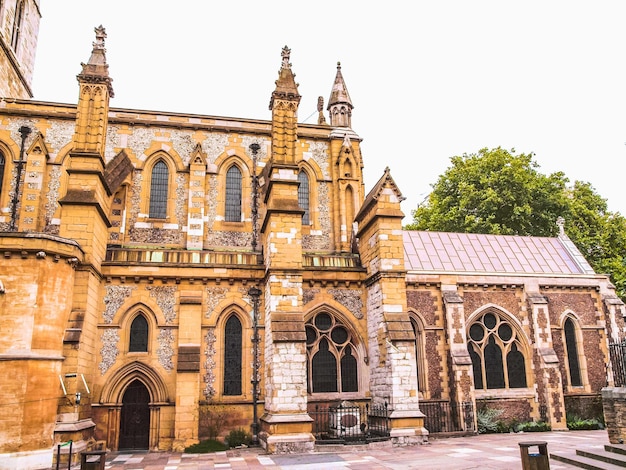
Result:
x=534 y=455
x=93 y=460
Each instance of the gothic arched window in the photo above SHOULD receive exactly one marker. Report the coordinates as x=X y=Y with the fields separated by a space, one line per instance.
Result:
x=2 y=163
x=495 y=350
x=158 y=191
x=232 y=356
x=233 y=194
x=138 y=335
x=304 y=197
x=17 y=24
x=332 y=365
x=571 y=347
x=419 y=355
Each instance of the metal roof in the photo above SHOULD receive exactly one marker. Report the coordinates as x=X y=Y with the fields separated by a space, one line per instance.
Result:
x=502 y=254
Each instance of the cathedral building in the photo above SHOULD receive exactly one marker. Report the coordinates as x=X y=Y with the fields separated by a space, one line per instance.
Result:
x=167 y=277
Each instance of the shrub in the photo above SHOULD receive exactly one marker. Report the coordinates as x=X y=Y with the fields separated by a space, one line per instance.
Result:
x=488 y=422
x=238 y=437
x=575 y=423
x=204 y=447
x=532 y=426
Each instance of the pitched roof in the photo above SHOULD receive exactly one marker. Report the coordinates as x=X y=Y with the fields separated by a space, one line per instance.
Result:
x=479 y=253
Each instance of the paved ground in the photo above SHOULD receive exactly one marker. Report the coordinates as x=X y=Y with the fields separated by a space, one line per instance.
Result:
x=492 y=451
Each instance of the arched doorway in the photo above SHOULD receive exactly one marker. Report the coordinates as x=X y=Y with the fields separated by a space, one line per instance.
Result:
x=135 y=417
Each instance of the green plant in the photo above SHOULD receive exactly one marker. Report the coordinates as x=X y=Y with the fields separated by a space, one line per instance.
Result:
x=204 y=447
x=576 y=423
x=532 y=426
x=488 y=422
x=238 y=437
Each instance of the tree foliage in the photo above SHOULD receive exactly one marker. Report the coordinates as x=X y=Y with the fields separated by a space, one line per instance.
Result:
x=497 y=191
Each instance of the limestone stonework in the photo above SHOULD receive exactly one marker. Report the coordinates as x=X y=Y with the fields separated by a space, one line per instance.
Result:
x=131 y=242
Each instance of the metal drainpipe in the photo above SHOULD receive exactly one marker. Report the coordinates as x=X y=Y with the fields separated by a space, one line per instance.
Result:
x=255 y=293
x=24 y=132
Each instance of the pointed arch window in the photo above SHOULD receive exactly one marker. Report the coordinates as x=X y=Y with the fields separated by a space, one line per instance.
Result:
x=571 y=346
x=233 y=194
x=158 y=190
x=496 y=353
x=2 y=164
x=350 y=208
x=331 y=362
x=232 y=356
x=138 y=335
x=304 y=197
x=17 y=24
x=419 y=355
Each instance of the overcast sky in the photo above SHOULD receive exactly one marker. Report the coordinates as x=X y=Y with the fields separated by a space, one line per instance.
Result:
x=428 y=79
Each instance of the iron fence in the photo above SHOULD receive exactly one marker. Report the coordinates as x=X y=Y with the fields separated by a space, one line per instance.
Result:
x=617 y=351
x=346 y=421
x=445 y=416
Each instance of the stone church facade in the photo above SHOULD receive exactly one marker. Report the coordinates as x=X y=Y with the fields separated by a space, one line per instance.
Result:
x=165 y=276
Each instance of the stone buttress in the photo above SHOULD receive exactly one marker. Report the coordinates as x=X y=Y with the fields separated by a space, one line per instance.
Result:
x=84 y=206
x=461 y=363
x=285 y=425
x=392 y=361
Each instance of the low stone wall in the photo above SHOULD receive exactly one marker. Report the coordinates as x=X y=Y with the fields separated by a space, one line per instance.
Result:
x=614 y=406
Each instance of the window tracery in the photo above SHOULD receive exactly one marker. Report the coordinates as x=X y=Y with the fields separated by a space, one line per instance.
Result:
x=332 y=364
x=496 y=353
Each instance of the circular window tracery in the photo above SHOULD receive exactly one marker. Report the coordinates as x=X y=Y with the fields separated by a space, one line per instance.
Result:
x=496 y=353
x=332 y=365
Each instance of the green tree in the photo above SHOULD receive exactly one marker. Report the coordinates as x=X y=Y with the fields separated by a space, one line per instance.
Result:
x=497 y=191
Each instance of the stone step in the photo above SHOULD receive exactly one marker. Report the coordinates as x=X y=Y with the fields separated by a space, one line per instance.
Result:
x=579 y=461
x=604 y=456
x=616 y=448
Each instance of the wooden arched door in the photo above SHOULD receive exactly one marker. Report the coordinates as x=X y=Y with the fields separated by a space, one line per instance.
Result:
x=135 y=417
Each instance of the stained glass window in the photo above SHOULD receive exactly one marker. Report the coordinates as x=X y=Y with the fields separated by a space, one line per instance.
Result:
x=233 y=194
x=303 y=196
x=495 y=351
x=158 y=191
x=331 y=363
x=1 y=170
x=572 y=353
x=232 y=356
x=138 y=335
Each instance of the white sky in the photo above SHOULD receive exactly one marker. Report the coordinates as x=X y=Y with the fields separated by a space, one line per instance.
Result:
x=428 y=79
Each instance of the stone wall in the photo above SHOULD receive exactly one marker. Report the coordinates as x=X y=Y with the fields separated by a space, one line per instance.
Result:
x=614 y=405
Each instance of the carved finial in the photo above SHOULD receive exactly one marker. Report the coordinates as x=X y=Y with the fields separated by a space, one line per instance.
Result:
x=320 y=109
x=560 y=222
x=338 y=65
x=101 y=35
x=346 y=142
x=285 y=55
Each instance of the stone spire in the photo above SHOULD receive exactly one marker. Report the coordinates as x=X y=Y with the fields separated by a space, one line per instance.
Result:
x=96 y=70
x=339 y=104
x=284 y=105
x=93 y=101
x=286 y=86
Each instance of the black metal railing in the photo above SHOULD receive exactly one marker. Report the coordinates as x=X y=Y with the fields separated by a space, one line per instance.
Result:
x=346 y=422
x=617 y=351
x=444 y=416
